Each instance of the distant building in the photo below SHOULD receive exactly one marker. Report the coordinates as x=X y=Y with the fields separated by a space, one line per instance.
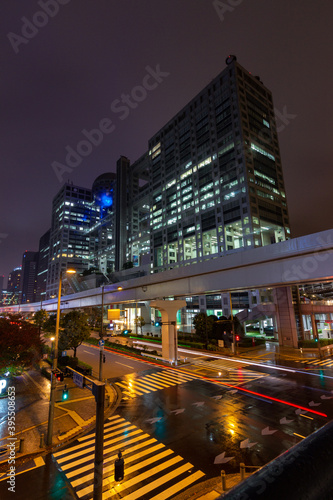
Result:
x=14 y=280
x=29 y=277
x=73 y=214
x=43 y=261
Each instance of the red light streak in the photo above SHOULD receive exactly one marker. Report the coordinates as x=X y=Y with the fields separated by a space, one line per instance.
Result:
x=221 y=383
x=269 y=397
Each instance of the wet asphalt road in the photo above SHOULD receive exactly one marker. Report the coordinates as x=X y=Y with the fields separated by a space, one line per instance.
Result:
x=212 y=425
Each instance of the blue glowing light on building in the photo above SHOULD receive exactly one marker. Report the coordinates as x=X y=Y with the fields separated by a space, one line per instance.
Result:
x=106 y=200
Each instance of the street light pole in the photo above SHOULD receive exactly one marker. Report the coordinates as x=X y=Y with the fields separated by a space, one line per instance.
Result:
x=55 y=365
x=233 y=327
x=101 y=335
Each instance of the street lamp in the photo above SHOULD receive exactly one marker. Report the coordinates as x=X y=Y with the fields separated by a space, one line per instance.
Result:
x=101 y=336
x=55 y=364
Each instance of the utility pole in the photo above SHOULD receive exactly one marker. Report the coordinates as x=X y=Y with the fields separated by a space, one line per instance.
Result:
x=101 y=335
x=54 y=367
x=232 y=326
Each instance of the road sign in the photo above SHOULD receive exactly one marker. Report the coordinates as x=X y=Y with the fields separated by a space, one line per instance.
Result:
x=64 y=353
x=78 y=379
x=101 y=343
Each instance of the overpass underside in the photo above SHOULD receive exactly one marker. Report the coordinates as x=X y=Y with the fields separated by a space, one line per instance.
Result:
x=281 y=267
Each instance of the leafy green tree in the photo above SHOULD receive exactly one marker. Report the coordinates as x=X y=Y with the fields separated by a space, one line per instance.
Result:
x=75 y=331
x=50 y=324
x=94 y=318
x=40 y=318
x=140 y=322
x=20 y=344
x=204 y=325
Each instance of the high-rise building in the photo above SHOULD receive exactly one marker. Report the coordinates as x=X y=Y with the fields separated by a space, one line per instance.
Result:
x=43 y=261
x=210 y=184
x=73 y=214
x=14 y=280
x=102 y=233
x=29 y=276
x=215 y=174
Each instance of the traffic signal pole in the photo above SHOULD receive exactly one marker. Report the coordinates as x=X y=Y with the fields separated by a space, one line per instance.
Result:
x=54 y=367
x=98 y=390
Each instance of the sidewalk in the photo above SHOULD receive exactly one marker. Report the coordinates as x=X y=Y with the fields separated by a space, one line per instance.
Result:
x=71 y=417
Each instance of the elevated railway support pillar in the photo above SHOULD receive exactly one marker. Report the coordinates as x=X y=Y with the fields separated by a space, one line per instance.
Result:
x=168 y=309
x=285 y=316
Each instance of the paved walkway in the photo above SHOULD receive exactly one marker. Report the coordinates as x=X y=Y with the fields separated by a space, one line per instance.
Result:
x=71 y=417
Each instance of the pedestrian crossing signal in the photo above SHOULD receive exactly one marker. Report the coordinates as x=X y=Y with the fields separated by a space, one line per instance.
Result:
x=59 y=375
x=65 y=394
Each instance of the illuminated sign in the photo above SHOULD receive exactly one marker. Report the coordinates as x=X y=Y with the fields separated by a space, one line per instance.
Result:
x=113 y=314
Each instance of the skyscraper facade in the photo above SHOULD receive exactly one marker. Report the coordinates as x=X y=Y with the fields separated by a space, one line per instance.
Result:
x=29 y=277
x=73 y=214
x=43 y=261
x=215 y=174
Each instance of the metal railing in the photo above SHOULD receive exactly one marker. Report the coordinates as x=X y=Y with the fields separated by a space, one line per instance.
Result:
x=302 y=472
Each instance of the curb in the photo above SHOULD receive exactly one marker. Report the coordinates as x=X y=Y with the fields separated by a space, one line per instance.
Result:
x=21 y=459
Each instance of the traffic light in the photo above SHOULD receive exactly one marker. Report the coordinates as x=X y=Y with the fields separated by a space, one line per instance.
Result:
x=65 y=393
x=59 y=376
x=237 y=338
x=125 y=332
x=158 y=323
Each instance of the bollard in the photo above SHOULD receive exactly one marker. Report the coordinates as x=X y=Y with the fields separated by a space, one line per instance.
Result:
x=223 y=478
x=41 y=441
x=21 y=445
x=242 y=471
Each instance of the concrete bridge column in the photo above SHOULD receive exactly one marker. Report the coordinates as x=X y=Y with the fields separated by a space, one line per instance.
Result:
x=168 y=309
x=285 y=317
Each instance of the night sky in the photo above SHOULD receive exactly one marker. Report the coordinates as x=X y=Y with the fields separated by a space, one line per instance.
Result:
x=65 y=76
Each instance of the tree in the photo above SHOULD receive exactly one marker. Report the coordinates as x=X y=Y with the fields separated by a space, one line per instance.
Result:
x=40 y=318
x=94 y=318
x=20 y=344
x=75 y=331
x=139 y=321
x=50 y=324
x=203 y=325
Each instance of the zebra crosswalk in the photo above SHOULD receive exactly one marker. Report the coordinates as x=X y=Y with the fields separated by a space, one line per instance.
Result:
x=231 y=372
x=325 y=363
x=152 y=471
x=133 y=387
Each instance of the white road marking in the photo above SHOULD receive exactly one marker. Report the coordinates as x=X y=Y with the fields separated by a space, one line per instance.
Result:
x=128 y=366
